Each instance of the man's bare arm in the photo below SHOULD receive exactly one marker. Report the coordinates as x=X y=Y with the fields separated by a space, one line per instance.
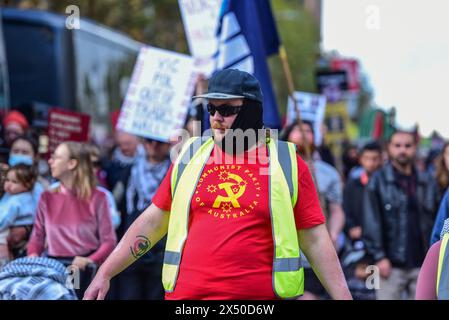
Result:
x=142 y=235
x=317 y=246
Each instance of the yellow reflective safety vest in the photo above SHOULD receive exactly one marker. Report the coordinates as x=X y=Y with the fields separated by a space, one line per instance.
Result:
x=443 y=270
x=288 y=274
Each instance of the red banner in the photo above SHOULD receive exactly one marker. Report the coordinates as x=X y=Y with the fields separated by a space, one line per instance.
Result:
x=351 y=66
x=64 y=125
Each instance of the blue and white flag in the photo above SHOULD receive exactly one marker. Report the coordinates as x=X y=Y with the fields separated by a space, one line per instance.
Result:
x=247 y=35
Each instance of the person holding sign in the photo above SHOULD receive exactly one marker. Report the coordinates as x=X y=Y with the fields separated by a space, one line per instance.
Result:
x=236 y=208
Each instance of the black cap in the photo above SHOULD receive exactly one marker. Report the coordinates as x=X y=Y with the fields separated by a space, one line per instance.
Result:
x=233 y=84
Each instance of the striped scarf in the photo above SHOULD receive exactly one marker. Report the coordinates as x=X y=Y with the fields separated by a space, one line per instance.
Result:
x=143 y=183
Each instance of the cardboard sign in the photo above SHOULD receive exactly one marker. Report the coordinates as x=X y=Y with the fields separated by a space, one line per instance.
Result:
x=337 y=122
x=200 y=18
x=351 y=66
x=312 y=107
x=64 y=125
x=333 y=84
x=159 y=94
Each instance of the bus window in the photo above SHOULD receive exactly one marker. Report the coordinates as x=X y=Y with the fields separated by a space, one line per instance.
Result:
x=104 y=61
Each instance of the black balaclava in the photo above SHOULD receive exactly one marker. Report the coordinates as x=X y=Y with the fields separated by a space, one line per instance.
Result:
x=249 y=117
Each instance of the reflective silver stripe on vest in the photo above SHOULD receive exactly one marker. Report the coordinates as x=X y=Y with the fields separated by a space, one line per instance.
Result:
x=193 y=149
x=286 y=164
x=172 y=257
x=287 y=264
x=443 y=287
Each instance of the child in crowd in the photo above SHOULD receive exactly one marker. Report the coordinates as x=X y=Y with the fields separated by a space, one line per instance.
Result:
x=17 y=207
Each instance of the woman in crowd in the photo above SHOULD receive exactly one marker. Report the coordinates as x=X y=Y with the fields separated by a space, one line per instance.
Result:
x=73 y=222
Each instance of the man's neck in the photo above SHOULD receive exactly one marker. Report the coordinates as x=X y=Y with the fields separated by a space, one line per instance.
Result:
x=404 y=169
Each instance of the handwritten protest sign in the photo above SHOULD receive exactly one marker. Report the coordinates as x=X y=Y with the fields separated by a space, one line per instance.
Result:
x=312 y=107
x=200 y=18
x=159 y=94
x=64 y=125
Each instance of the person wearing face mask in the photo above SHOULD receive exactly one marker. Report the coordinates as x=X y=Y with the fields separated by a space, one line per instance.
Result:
x=24 y=151
x=236 y=208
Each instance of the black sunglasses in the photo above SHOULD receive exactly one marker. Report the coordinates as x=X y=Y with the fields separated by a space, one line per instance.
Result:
x=224 y=110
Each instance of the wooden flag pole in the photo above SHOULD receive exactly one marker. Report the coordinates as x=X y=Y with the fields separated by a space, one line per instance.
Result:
x=308 y=153
x=291 y=92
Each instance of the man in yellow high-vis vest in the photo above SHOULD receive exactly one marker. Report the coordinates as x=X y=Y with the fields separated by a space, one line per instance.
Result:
x=237 y=208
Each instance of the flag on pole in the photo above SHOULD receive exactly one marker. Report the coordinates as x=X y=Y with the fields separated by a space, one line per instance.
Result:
x=247 y=35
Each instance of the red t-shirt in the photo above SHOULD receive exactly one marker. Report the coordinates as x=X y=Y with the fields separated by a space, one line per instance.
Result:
x=228 y=253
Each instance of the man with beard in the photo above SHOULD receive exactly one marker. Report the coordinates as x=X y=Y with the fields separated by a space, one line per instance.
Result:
x=237 y=208
x=399 y=209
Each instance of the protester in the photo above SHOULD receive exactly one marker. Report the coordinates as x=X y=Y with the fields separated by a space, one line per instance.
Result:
x=370 y=160
x=14 y=124
x=433 y=277
x=142 y=280
x=118 y=170
x=17 y=207
x=329 y=187
x=224 y=235
x=350 y=159
x=94 y=153
x=24 y=150
x=399 y=209
x=354 y=258
x=73 y=220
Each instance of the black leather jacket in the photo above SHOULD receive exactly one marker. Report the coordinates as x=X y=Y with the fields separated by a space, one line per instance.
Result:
x=385 y=215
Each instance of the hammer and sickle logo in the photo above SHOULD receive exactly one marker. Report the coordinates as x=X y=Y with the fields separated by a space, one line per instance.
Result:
x=227 y=187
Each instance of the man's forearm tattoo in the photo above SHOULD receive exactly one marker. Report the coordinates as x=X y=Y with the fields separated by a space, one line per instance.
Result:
x=141 y=246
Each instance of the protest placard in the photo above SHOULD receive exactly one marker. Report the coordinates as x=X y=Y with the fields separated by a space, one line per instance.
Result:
x=312 y=107
x=333 y=84
x=351 y=66
x=337 y=122
x=64 y=125
x=200 y=18
x=159 y=94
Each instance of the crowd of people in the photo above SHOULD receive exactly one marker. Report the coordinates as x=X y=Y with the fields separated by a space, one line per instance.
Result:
x=381 y=210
